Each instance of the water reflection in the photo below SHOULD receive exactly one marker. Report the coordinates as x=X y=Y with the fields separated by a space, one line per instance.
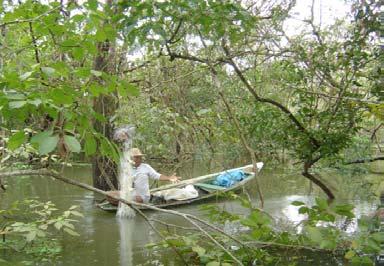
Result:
x=125 y=227
x=291 y=212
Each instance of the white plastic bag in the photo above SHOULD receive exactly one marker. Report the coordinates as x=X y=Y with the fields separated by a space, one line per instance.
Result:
x=188 y=192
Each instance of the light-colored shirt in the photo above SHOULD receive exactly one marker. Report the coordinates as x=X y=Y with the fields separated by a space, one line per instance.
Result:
x=141 y=174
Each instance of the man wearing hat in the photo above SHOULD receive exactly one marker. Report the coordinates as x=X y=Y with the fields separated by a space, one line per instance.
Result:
x=141 y=173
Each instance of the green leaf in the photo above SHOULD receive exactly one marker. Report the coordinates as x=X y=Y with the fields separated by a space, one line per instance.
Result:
x=35 y=102
x=68 y=225
x=328 y=244
x=176 y=242
x=16 y=140
x=43 y=227
x=49 y=71
x=78 y=18
x=213 y=263
x=90 y=145
x=297 y=203
x=99 y=117
x=82 y=72
x=17 y=104
x=96 y=73
x=48 y=145
x=199 y=250
x=108 y=149
x=26 y=75
x=373 y=245
x=72 y=143
x=96 y=89
x=92 y=4
x=322 y=203
x=69 y=43
x=30 y=236
x=303 y=210
x=110 y=32
x=15 y=96
x=345 y=210
x=4 y=262
x=314 y=234
x=100 y=35
x=90 y=47
x=40 y=137
x=76 y=213
x=132 y=89
x=61 y=96
x=249 y=222
x=78 y=53
x=41 y=233
x=203 y=111
x=378 y=236
x=58 y=225
x=71 y=232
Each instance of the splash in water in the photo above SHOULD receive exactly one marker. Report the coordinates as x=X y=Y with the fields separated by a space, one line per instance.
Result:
x=125 y=135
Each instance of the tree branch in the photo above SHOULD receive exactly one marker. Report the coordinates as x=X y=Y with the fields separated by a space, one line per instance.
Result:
x=29 y=20
x=243 y=140
x=380 y=158
x=284 y=109
x=318 y=182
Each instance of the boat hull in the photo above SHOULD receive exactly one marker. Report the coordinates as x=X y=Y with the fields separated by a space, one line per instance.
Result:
x=206 y=191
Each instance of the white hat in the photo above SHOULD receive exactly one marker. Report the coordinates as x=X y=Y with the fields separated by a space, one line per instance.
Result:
x=136 y=152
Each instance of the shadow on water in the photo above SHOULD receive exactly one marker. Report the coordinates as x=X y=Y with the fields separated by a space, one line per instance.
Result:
x=107 y=240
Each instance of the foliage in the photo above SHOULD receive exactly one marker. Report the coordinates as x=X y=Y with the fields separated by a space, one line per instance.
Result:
x=64 y=66
x=52 y=86
x=31 y=227
x=322 y=235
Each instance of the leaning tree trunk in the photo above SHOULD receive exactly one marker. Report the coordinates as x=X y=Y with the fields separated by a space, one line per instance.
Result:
x=104 y=169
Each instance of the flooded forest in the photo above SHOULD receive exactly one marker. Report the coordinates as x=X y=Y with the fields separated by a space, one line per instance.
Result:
x=191 y=132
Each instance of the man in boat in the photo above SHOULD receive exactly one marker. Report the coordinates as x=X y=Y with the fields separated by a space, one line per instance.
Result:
x=141 y=173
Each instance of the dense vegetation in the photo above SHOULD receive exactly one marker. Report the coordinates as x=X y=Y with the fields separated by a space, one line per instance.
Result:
x=197 y=79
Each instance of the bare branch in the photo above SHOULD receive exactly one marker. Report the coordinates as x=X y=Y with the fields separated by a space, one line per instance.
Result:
x=216 y=242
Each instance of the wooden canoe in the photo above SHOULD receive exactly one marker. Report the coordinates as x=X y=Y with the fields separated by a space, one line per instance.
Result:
x=202 y=184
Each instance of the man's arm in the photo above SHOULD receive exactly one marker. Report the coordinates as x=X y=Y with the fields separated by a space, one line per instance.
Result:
x=172 y=178
x=157 y=176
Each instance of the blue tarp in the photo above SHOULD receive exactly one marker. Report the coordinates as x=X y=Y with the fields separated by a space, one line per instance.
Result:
x=229 y=178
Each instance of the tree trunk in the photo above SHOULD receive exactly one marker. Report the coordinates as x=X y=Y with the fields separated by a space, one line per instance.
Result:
x=104 y=169
x=318 y=182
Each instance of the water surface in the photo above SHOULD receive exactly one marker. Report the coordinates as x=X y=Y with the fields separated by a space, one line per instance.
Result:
x=108 y=240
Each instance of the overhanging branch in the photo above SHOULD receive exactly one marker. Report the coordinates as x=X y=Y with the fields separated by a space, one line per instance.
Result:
x=380 y=158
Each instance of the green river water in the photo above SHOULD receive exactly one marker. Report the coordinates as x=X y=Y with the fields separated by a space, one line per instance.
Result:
x=106 y=240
